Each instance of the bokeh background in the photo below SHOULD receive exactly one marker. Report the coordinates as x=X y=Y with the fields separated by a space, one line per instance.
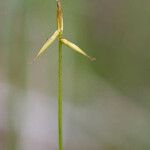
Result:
x=106 y=103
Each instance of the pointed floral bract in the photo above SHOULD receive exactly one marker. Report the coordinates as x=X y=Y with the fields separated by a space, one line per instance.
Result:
x=76 y=48
x=48 y=43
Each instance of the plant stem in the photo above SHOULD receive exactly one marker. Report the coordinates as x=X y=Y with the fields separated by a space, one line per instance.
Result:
x=60 y=137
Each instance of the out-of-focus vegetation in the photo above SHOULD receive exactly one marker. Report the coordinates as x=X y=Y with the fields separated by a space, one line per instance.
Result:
x=106 y=102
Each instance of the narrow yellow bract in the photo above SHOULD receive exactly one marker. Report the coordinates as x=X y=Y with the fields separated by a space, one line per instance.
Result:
x=76 y=48
x=48 y=43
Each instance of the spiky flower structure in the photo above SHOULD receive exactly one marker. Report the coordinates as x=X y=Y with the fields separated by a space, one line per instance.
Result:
x=59 y=34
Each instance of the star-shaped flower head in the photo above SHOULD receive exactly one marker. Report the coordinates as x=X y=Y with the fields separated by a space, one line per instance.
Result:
x=58 y=33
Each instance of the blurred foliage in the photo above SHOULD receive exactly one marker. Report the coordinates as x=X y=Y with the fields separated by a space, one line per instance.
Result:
x=116 y=32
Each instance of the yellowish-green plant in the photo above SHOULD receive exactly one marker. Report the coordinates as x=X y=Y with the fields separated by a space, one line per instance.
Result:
x=61 y=40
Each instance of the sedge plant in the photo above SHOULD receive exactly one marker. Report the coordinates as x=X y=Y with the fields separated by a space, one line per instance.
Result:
x=58 y=34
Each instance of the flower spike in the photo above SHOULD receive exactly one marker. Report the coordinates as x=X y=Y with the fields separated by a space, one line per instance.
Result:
x=47 y=43
x=58 y=33
x=76 y=48
x=59 y=16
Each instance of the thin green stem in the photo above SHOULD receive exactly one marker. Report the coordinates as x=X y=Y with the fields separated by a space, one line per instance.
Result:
x=60 y=136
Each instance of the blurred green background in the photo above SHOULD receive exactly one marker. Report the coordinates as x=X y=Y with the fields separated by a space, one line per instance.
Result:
x=106 y=103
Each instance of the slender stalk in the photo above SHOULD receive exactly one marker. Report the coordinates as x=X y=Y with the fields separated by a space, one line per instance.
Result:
x=60 y=137
x=58 y=33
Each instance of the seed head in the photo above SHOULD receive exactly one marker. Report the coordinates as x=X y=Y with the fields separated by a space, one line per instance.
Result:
x=59 y=16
